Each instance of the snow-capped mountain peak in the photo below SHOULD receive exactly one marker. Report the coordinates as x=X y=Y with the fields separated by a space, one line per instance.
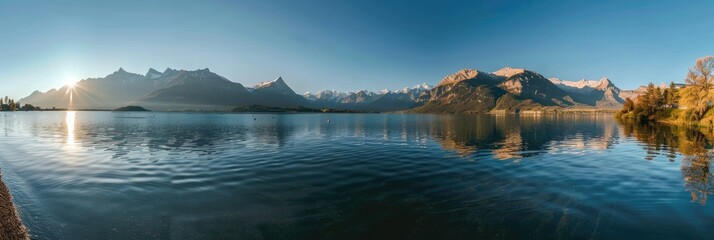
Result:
x=277 y=81
x=424 y=86
x=583 y=83
x=418 y=88
x=277 y=86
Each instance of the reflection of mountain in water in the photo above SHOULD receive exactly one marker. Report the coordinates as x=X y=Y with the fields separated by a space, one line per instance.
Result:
x=513 y=136
x=693 y=144
x=129 y=134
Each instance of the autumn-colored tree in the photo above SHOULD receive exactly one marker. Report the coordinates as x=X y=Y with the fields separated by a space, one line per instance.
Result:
x=699 y=87
x=649 y=106
x=650 y=103
x=671 y=95
x=629 y=105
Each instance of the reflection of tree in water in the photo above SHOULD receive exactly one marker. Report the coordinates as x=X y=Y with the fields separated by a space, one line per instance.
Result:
x=659 y=138
x=696 y=170
x=693 y=144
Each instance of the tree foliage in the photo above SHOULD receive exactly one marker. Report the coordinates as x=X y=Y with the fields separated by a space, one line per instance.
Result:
x=698 y=93
x=695 y=99
x=9 y=104
x=650 y=105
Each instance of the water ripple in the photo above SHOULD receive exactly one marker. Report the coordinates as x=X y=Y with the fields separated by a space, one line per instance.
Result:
x=359 y=176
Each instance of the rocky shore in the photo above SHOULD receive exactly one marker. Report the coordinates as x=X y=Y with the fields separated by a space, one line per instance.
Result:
x=11 y=227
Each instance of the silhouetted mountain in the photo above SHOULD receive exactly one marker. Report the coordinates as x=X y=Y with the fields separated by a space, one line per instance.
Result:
x=168 y=90
x=152 y=73
x=113 y=91
x=200 y=89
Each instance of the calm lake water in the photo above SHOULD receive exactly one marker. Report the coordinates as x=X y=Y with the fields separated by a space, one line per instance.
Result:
x=105 y=175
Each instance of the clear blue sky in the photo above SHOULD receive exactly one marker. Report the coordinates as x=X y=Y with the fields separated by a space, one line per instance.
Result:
x=351 y=45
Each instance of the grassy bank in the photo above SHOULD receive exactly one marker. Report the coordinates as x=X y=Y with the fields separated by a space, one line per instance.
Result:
x=674 y=117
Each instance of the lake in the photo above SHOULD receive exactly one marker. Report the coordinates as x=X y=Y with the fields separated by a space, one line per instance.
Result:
x=121 y=175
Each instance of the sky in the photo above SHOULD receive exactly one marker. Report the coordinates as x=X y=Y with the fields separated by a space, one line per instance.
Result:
x=350 y=45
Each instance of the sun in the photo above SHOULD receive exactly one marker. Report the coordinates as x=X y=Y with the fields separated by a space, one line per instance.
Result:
x=71 y=81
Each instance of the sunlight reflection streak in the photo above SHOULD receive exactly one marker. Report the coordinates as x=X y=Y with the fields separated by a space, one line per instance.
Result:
x=69 y=121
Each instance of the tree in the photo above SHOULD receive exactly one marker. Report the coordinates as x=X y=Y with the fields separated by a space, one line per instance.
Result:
x=12 y=105
x=699 y=81
x=649 y=106
x=30 y=107
x=672 y=95
x=650 y=103
x=629 y=105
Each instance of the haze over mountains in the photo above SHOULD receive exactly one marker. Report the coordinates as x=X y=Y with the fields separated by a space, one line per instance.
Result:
x=467 y=91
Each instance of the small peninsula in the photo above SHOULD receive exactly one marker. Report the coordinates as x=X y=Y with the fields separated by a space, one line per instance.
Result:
x=131 y=109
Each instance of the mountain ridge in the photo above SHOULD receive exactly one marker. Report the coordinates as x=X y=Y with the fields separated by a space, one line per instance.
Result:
x=466 y=90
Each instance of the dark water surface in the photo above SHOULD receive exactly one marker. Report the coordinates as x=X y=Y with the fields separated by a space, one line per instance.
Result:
x=104 y=175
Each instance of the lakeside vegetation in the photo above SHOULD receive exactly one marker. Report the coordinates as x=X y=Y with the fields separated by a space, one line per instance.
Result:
x=690 y=104
x=9 y=104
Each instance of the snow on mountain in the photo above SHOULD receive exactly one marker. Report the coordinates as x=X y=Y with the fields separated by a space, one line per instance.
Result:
x=582 y=83
x=262 y=84
x=424 y=86
x=465 y=90
x=277 y=86
x=325 y=95
x=600 y=93
x=338 y=96
x=418 y=88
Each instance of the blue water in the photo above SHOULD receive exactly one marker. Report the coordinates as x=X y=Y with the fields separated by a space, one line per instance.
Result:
x=107 y=175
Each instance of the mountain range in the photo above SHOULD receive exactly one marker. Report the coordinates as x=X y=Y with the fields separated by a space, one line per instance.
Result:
x=466 y=91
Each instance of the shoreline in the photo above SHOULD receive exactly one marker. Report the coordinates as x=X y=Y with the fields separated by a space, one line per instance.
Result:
x=11 y=227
